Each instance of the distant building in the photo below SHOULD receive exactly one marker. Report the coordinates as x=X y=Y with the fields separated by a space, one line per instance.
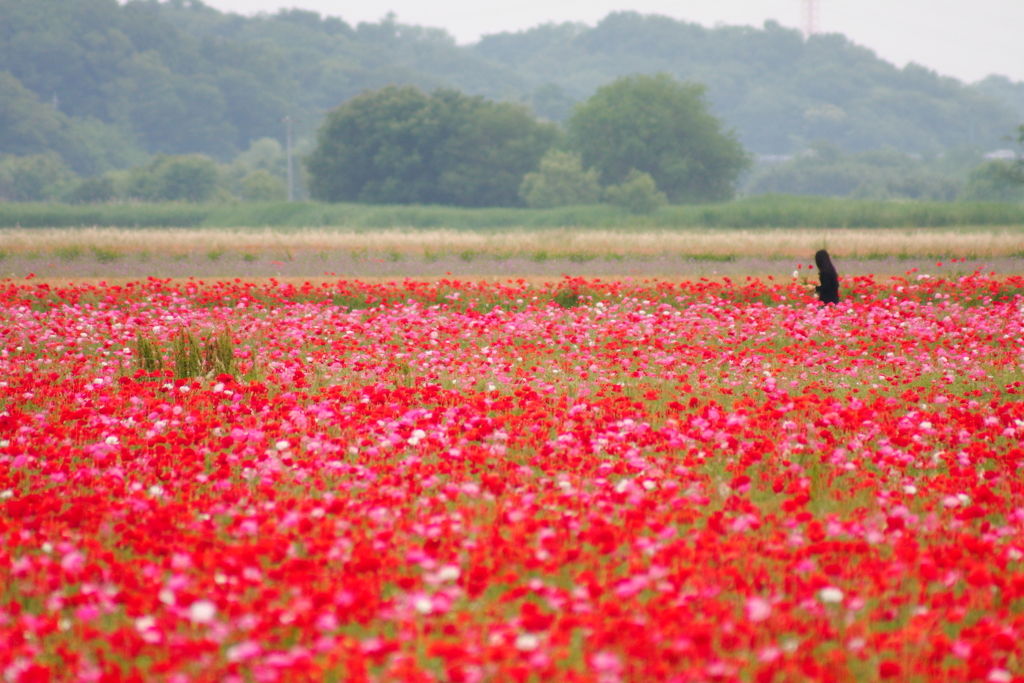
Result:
x=1002 y=154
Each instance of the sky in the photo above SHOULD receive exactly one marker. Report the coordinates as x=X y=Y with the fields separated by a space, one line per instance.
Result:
x=967 y=39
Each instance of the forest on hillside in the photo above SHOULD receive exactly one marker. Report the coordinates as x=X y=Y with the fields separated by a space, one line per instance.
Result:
x=93 y=86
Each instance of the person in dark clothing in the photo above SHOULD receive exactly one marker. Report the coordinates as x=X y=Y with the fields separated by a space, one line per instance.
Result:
x=828 y=291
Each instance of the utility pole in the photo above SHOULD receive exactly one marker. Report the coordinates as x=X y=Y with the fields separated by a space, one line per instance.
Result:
x=288 y=147
x=809 y=14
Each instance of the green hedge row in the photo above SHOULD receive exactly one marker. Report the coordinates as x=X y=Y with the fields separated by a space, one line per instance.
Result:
x=757 y=212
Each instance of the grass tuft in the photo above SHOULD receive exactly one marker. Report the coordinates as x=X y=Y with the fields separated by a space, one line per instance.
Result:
x=215 y=356
x=219 y=354
x=567 y=298
x=148 y=357
x=187 y=356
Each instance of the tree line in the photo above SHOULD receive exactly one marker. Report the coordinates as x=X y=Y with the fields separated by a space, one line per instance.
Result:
x=638 y=142
x=258 y=174
x=962 y=174
x=93 y=87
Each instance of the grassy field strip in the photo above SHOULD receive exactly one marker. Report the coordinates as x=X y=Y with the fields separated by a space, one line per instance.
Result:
x=763 y=211
x=557 y=243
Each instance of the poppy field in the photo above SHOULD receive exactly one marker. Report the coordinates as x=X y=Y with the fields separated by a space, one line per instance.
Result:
x=586 y=481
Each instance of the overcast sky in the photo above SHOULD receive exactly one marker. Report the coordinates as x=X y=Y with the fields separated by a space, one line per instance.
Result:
x=968 y=39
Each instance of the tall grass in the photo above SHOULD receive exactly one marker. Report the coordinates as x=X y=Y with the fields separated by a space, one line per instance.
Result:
x=190 y=356
x=757 y=212
x=115 y=215
x=575 y=244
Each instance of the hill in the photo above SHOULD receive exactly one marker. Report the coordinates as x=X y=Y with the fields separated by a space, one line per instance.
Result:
x=103 y=84
x=779 y=90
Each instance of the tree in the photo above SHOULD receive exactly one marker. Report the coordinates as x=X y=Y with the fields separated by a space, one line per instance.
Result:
x=1014 y=170
x=550 y=101
x=658 y=126
x=29 y=127
x=561 y=181
x=186 y=177
x=375 y=148
x=266 y=154
x=401 y=146
x=998 y=180
x=176 y=114
x=26 y=125
x=994 y=181
x=261 y=186
x=95 y=190
x=826 y=170
x=34 y=178
x=638 y=194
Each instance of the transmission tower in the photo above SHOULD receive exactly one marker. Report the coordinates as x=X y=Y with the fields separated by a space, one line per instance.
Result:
x=809 y=14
